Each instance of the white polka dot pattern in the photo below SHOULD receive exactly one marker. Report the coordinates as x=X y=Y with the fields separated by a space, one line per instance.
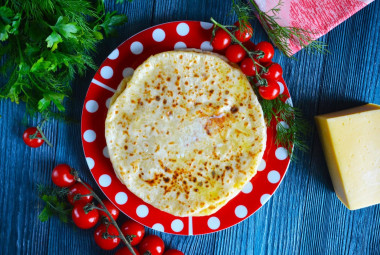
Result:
x=106 y=72
x=206 y=25
x=92 y=106
x=241 y=211
x=105 y=180
x=177 y=225
x=105 y=152
x=142 y=211
x=289 y=101
x=206 y=45
x=281 y=153
x=180 y=45
x=274 y=176
x=90 y=163
x=89 y=136
x=137 y=48
x=264 y=198
x=283 y=124
x=121 y=198
x=183 y=29
x=108 y=101
x=213 y=223
x=262 y=165
x=282 y=88
x=158 y=227
x=128 y=71
x=114 y=54
x=247 y=188
x=158 y=35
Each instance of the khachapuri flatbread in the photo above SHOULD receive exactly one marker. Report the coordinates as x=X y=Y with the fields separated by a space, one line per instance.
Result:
x=186 y=132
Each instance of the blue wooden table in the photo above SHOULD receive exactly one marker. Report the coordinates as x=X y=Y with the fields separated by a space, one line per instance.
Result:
x=303 y=217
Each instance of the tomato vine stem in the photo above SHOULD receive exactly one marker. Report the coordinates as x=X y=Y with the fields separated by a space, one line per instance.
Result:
x=113 y=222
x=249 y=53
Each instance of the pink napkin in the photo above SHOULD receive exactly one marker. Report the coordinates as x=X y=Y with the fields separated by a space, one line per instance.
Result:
x=319 y=16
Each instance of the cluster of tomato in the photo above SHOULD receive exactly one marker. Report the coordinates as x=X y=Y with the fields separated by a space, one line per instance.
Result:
x=257 y=62
x=86 y=217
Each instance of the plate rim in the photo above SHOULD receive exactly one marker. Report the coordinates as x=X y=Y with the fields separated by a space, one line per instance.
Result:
x=185 y=217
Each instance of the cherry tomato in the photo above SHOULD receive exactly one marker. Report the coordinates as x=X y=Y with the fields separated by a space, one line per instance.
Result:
x=173 y=252
x=106 y=243
x=34 y=143
x=245 y=34
x=62 y=177
x=268 y=50
x=131 y=227
x=111 y=208
x=235 y=53
x=153 y=244
x=271 y=91
x=125 y=251
x=82 y=219
x=248 y=67
x=274 y=72
x=221 y=40
x=78 y=188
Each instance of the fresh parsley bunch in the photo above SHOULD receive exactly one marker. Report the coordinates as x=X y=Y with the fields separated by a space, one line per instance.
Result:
x=44 y=44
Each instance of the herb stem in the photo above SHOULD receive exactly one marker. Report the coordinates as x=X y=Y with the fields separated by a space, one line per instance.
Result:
x=122 y=237
x=55 y=208
x=19 y=49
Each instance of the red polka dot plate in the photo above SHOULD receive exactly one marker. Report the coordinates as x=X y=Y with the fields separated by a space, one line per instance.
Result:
x=122 y=62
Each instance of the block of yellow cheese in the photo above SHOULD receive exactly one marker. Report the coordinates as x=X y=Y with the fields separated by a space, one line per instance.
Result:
x=351 y=144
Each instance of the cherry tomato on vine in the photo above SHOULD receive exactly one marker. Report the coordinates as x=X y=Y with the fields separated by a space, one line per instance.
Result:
x=130 y=228
x=153 y=244
x=79 y=188
x=248 y=67
x=268 y=50
x=274 y=72
x=235 y=53
x=62 y=177
x=83 y=219
x=173 y=252
x=221 y=40
x=111 y=208
x=34 y=143
x=125 y=251
x=245 y=34
x=106 y=243
x=271 y=91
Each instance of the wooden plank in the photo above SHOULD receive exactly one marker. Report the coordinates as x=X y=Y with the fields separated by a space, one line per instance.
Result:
x=303 y=217
x=328 y=227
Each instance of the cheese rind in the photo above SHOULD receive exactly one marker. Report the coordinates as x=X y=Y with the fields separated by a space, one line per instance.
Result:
x=351 y=144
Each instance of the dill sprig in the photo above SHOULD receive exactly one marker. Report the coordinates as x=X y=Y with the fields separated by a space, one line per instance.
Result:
x=244 y=13
x=44 y=44
x=279 y=35
x=290 y=125
x=55 y=203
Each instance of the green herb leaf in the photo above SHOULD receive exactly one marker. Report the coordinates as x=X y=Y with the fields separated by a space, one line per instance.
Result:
x=45 y=214
x=111 y=20
x=9 y=22
x=293 y=132
x=52 y=40
x=40 y=66
x=66 y=29
x=55 y=203
x=45 y=44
